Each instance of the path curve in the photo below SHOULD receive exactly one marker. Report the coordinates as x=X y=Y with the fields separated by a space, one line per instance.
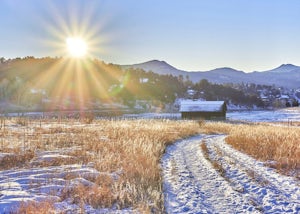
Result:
x=223 y=180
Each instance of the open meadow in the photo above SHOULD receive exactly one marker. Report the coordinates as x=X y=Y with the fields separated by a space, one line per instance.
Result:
x=85 y=165
x=163 y=107
x=103 y=166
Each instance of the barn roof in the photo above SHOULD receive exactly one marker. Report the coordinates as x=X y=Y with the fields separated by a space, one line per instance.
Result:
x=201 y=106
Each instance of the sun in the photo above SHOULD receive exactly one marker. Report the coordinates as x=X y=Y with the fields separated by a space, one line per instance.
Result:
x=77 y=47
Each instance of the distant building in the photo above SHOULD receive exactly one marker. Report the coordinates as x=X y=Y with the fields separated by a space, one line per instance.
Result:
x=195 y=109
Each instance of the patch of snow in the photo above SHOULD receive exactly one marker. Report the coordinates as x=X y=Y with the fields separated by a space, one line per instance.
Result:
x=47 y=183
x=3 y=155
x=50 y=158
x=153 y=116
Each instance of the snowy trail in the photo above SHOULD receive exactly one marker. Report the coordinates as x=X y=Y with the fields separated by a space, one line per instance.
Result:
x=223 y=181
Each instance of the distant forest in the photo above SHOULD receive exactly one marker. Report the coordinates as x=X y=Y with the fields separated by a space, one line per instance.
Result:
x=31 y=82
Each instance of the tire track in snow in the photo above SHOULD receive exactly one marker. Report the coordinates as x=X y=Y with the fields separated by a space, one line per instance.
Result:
x=192 y=185
x=274 y=193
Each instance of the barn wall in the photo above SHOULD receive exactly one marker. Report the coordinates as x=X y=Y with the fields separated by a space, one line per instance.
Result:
x=203 y=115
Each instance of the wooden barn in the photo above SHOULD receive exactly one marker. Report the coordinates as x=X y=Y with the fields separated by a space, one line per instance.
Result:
x=194 y=109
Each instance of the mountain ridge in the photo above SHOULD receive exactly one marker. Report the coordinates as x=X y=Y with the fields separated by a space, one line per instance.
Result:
x=285 y=75
x=163 y=66
x=284 y=68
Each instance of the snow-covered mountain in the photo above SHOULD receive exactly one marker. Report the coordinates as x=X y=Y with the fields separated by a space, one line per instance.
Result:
x=286 y=75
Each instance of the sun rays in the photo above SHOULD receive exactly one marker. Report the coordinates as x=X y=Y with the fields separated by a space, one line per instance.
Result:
x=72 y=76
x=76 y=83
x=78 y=31
x=76 y=76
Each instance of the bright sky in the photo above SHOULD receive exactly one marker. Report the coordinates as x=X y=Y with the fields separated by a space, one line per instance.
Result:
x=191 y=35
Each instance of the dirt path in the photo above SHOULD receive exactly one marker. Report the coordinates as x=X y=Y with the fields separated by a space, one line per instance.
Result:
x=223 y=180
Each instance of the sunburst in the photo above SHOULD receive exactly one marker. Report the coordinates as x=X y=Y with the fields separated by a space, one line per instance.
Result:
x=77 y=47
x=76 y=41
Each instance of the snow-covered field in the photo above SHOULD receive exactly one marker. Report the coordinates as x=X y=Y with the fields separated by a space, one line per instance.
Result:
x=192 y=183
x=226 y=181
x=53 y=176
x=50 y=184
x=281 y=115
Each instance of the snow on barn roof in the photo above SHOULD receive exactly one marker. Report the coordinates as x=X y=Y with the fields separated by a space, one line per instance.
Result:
x=284 y=96
x=200 y=106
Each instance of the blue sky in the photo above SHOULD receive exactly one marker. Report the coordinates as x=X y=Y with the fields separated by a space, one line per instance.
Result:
x=189 y=34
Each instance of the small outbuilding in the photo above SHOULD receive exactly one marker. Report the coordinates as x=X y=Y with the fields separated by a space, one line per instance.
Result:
x=195 y=109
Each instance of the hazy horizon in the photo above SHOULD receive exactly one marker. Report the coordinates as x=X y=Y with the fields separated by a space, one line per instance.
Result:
x=189 y=35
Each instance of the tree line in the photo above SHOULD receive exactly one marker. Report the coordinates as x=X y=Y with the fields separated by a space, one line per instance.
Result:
x=32 y=82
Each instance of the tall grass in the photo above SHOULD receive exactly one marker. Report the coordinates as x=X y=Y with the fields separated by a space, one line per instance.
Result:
x=130 y=149
x=32 y=207
x=135 y=148
x=279 y=145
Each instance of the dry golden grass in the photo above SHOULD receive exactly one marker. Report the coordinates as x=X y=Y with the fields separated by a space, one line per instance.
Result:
x=44 y=207
x=16 y=159
x=264 y=142
x=132 y=149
